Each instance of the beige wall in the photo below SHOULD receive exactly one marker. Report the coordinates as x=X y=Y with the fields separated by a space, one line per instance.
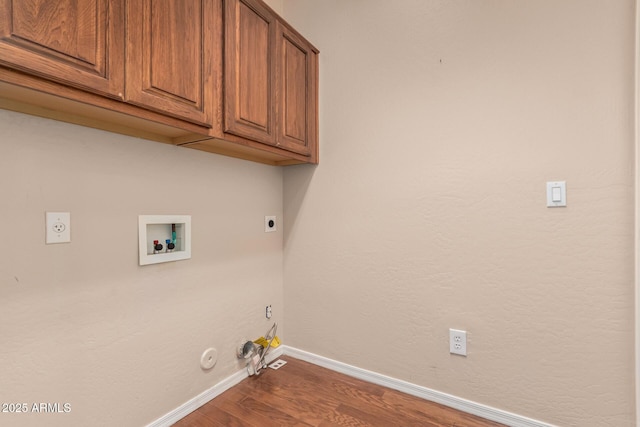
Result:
x=276 y=5
x=82 y=323
x=440 y=122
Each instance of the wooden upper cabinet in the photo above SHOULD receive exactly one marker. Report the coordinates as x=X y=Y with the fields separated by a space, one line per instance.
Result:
x=226 y=76
x=297 y=89
x=169 y=68
x=76 y=42
x=249 y=70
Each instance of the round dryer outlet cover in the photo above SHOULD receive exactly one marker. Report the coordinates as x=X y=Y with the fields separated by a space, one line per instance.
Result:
x=209 y=358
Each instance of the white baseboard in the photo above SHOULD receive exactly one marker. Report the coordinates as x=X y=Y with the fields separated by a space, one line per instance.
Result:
x=207 y=395
x=458 y=403
x=451 y=401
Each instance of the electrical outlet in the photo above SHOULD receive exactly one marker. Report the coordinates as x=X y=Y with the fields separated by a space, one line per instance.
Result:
x=458 y=342
x=58 y=227
x=270 y=224
x=268 y=312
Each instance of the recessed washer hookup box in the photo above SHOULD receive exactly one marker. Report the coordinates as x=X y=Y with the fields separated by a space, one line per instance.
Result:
x=164 y=238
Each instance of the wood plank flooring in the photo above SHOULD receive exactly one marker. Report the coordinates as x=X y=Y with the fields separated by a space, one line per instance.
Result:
x=303 y=394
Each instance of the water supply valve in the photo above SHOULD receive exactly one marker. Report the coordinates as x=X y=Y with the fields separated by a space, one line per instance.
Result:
x=255 y=352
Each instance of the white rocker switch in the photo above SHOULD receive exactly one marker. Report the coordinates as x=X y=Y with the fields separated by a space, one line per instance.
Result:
x=556 y=194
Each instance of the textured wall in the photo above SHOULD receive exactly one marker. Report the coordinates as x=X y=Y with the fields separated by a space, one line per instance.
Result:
x=440 y=122
x=82 y=323
x=276 y=5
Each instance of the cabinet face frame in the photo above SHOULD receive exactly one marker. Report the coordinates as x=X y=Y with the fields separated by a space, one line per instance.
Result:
x=91 y=57
x=159 y=69
x=249 y=70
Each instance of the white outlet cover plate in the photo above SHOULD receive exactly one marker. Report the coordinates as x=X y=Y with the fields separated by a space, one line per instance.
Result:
x=58 y=227
x=458 y=342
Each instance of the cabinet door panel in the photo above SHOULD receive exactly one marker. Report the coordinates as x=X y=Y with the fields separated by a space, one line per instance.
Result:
x=75 y=42
x=294 y=92
x=297 y=90
x=166 y=67
x=249 y=70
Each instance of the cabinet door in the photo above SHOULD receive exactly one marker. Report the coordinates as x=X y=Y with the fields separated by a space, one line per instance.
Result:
x=296 y=87
x=249 y=69
x=75 y=42
x=166 y=45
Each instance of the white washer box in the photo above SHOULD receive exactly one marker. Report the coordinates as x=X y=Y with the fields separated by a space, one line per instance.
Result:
x=160 y=228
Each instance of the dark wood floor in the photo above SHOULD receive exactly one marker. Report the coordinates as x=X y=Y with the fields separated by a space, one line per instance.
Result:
x=302 y=394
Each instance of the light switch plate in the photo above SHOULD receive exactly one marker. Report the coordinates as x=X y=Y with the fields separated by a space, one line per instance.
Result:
x=556 y=194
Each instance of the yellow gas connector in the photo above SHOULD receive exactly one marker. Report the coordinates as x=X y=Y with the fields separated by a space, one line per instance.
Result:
x=265 y=343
